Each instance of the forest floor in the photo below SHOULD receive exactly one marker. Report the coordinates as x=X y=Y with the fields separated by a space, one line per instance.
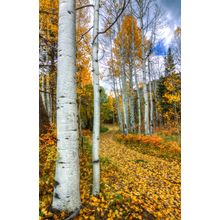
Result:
x=135 y=183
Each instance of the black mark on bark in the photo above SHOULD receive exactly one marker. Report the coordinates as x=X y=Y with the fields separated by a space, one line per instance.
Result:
x=57 y=196
x=56 y=183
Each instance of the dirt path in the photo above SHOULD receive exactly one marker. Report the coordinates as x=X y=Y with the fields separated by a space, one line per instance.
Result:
x=152 y=180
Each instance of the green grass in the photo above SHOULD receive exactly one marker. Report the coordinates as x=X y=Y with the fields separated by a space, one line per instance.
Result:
x=103 y=129
x=175 y=138
x=105 y=161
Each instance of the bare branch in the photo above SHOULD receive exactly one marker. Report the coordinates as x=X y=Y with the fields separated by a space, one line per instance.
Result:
x=52 y=12
x=122 y=10
x=84 y=34
x=84 y=6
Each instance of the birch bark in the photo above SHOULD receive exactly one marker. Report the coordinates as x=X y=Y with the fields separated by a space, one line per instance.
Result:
x=116 y=95
x=66 y=196
x=96 y=118
x=135 y=77
x=124 y=90
x=138 y=101
x=151 y=99
x=48 y=98
x=43 y=92
x=146 y=106
x=131 y=99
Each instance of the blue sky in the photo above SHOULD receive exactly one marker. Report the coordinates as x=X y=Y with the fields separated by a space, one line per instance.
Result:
x=160 y=49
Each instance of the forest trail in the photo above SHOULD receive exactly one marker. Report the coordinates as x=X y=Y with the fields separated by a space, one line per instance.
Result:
x=147 y=178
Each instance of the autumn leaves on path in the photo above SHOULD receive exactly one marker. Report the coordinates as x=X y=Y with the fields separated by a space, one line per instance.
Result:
x=134 y=185
x=150 y=185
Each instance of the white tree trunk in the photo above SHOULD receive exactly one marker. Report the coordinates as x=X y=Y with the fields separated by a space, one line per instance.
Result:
x=43 y=91
x=155 y=98
x=124 y=90
x=116 y=95
x=131 y=101
x=119 y=92
x=138 y=101
x=151 y=99
x=66 y=195
x=120 y=118
x=146 y=106
x=96 y=117
x=48 y=98
x=133 y=58
x=118 y=107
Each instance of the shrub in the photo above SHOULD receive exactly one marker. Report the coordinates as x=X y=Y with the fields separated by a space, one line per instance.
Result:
x=172 y=146
x=153 y=140
x=142 y=139
x=103 y=129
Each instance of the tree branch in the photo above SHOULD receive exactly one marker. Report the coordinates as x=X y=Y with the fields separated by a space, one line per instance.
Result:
x=48 y=12
x=84 y=6
x=84 y=34
x=52 y=12
x=122 y=10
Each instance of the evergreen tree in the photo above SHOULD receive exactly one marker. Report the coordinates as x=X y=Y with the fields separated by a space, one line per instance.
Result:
x=169 y=63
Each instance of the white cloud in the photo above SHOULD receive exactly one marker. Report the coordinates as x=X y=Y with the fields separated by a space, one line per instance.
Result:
x=167 y=35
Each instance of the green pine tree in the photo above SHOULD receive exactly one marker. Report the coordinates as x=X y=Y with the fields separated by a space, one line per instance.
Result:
x=169 y=63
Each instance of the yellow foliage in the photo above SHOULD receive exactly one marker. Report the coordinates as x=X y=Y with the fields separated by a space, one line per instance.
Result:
x=124 y=37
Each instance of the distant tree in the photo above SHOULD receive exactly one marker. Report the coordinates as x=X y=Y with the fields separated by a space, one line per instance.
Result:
x=168 y=93
x=169 y=63
x=128 y=50
x=43 y=117
x=169 y=96
x=177 y=48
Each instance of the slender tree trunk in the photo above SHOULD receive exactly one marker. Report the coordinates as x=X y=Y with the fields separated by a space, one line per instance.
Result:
x=136 y=80
x=118 y=92
x=118 y=107
x=43 y=117
x=155 y=103
x=145 y=92
x=43 y=92
x=80 y=124
x=96 y=118
x=124 y=91
x=131 y=101
x=116 y=96
x=66 y=196
x=52 y=90
x=52 y=105
x=48 y=98
x=151 y=99
x=138 y=101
